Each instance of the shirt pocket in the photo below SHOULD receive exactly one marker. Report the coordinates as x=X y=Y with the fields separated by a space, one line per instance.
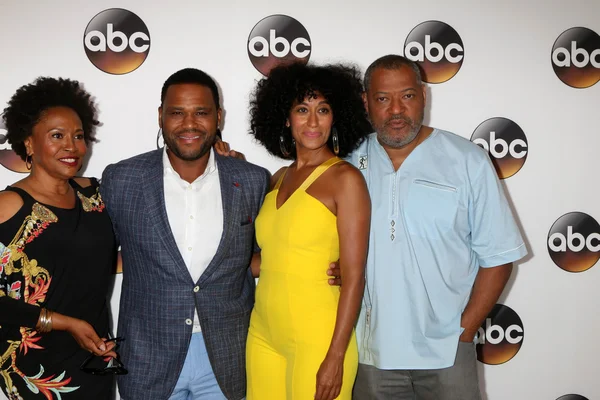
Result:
x=431 y=208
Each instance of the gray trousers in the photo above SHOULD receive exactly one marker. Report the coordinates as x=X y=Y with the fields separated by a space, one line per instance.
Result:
x=458 y=382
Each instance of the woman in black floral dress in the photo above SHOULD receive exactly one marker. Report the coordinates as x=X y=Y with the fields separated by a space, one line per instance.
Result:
x=57 y=250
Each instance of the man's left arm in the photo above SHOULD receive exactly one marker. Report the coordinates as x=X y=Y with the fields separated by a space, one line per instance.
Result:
x=497 y=243
x=488 y=287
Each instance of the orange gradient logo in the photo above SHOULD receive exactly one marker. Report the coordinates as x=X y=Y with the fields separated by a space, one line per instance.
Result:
x=116 y=41
x=8 y=158
x=574 y=242
x=278 y=39
x=505 y=142
x=500 y=337
x=437 y=48
x=576 y=57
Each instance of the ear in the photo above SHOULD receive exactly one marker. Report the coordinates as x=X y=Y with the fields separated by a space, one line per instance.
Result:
x=219 y=116
x=160 y=122
x=365 y=102
x=28 y=146
x=424 y=89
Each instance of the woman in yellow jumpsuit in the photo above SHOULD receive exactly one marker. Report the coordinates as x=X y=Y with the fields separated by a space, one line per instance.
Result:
x=301 y=342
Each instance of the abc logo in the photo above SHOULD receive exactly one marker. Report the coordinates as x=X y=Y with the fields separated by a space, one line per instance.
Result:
x=8 y=158
x=572 y=397
x=506 y=143
x=500 y=336
x=437 y=48
x=278 y=39
x=574 y=242
x=116 y=41
x=576 y=57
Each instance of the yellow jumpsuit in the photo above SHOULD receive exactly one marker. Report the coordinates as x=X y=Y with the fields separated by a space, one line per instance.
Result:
x=295 y=309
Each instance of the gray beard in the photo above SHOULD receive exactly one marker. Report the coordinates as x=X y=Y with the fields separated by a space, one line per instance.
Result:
x=397 y=144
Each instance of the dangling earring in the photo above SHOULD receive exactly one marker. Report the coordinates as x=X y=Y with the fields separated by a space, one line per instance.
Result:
x=282 y=147
x=28 y=162
x=335 y=140
x=158 y=135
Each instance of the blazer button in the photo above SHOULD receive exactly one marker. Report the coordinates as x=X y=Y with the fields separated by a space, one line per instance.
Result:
x=188 y=321
x=196 y=289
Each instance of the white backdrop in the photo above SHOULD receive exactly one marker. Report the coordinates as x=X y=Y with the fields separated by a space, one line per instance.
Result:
x=506 y=72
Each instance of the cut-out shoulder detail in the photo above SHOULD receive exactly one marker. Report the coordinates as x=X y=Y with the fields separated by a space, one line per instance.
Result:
x=10 y=204
x=83 y=182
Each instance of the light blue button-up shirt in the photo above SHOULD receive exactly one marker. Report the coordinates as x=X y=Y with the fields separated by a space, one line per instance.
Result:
x=434 y=222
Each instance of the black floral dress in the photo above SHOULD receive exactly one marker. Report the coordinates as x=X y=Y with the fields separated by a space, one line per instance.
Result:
x=61 y=259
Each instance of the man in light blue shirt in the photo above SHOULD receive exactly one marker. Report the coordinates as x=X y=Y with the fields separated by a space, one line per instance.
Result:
x=442 y=244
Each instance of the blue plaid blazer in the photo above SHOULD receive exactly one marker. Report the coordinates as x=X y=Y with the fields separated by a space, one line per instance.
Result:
x=157 y=295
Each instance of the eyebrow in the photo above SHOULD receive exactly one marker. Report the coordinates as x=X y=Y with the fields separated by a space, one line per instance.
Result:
x=182 y=108
x=321 y=102
x=401 y=91
x=61 y=129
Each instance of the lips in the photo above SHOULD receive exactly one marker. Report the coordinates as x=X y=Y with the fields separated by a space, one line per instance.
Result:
x=398 y=123
x=312 y=134
x=70 y=161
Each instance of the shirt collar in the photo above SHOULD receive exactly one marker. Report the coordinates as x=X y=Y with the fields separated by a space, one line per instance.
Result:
x=211 y=166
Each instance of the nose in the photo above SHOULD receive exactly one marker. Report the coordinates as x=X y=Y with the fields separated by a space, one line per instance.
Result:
x=69 y=143
x=189 y=120
x=313 y=120
x=397 y=107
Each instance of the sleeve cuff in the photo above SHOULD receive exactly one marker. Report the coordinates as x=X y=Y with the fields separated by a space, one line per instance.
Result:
x=504 y=257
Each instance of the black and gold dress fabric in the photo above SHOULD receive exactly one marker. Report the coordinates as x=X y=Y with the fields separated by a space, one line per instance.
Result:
x=60 y=259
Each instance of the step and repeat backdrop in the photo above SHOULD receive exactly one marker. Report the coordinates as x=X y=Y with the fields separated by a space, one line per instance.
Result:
x=517 y=78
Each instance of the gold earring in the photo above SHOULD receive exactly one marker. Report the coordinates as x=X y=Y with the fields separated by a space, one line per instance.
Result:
x=335 y=140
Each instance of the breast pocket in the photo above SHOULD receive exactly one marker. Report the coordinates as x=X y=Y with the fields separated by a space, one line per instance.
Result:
x=431 y=208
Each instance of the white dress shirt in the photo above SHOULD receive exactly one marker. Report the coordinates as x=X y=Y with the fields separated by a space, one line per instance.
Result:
x=195 y=214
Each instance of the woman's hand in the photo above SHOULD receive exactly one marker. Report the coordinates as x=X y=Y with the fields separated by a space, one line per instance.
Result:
x=222 y=148
x=84 y=334
x=329 y=378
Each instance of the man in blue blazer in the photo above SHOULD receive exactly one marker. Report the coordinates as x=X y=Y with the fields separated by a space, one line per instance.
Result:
x=184 y=217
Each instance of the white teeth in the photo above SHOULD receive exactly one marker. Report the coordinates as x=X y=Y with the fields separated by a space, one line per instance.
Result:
x=69 y=160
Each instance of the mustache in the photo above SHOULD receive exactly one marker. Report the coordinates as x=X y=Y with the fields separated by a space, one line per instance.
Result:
x=406 y=120
x=190 y=130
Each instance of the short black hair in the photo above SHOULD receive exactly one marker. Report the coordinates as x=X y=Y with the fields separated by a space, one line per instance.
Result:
x=274 y=96
x=191 y=75
x=392 y=61
x=28 y=104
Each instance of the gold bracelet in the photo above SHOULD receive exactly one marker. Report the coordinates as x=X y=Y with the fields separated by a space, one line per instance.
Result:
x=45 y=321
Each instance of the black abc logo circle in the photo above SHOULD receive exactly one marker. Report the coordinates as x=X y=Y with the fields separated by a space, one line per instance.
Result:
x=576 y=57
x=116 y=41
x=8 y=158
x=278 y=39
x=574 y=242
x=500 y=336
x=572 y=397
x=505 y=142
x=437 y=48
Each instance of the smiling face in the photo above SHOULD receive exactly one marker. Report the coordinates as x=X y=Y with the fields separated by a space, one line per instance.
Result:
x=310 y=122
x=189 y=119
x=57 y=145
x=395 y=102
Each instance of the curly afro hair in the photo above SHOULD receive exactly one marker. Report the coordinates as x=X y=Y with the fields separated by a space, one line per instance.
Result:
x=273 y=97
x=28 y=104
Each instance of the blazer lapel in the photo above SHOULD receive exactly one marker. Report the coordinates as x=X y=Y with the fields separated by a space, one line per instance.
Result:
x=231 y=196
x=155 y=199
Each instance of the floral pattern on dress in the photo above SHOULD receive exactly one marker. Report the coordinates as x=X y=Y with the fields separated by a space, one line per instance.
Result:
x=32 y=289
